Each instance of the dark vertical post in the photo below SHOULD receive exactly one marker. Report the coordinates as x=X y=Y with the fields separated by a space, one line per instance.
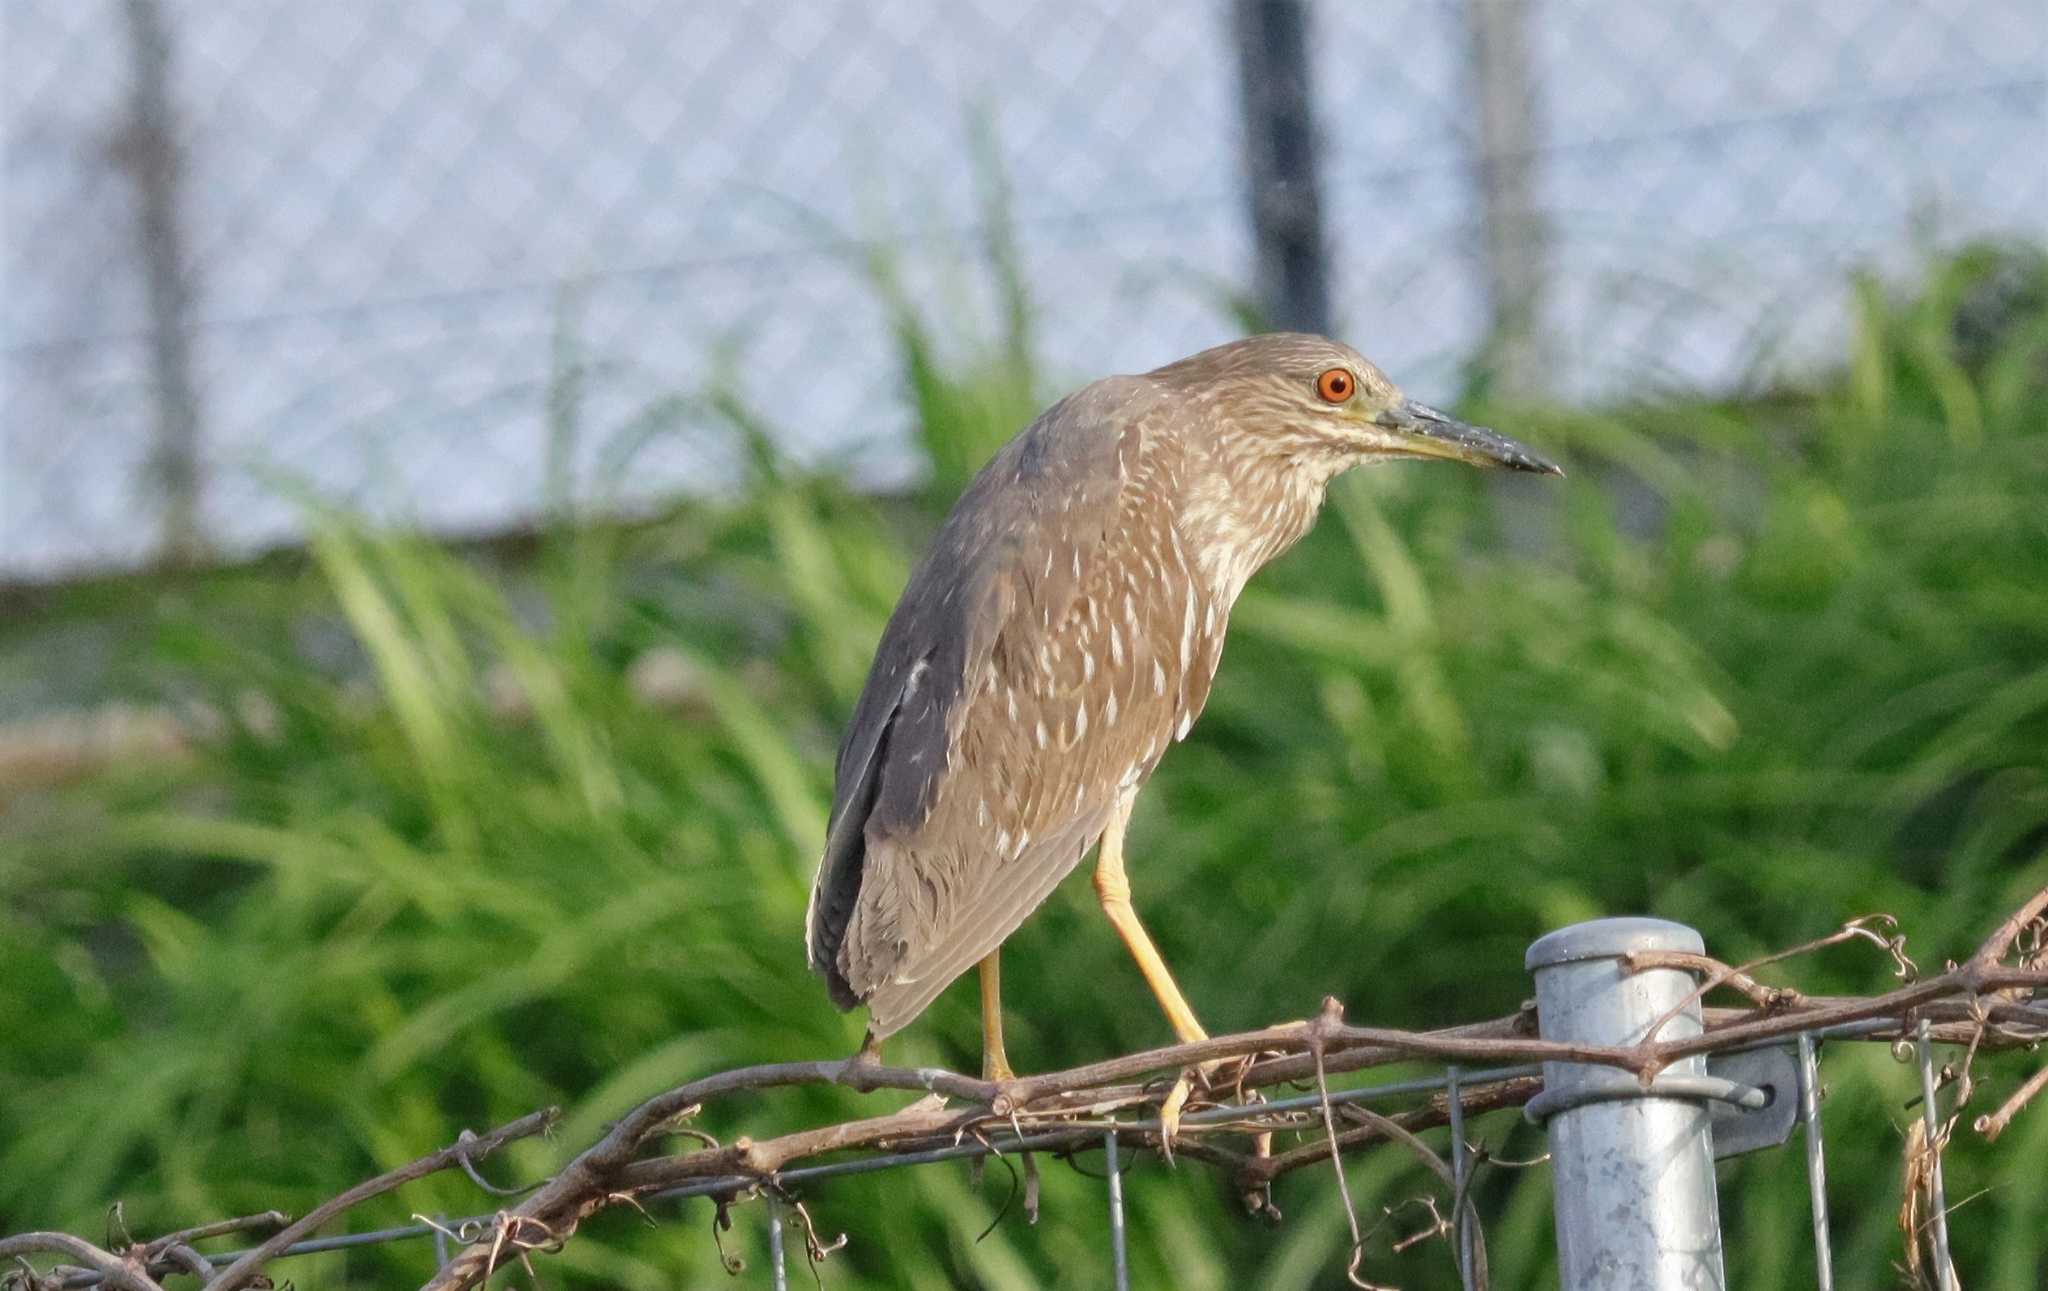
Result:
x=1280 y=163
x=149 y=149
x=1512 y=232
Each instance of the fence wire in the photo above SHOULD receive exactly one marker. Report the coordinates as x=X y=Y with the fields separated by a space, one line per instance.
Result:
x=357 y=245
x=1454 y=1083
x=1636 y=1083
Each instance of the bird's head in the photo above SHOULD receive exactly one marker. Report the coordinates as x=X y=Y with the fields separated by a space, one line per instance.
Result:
x=1296 y=393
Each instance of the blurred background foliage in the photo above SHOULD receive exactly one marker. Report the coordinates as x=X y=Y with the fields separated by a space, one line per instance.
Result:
x=478 y=831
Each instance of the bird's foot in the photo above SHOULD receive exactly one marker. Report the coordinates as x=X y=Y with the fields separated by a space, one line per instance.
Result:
x=1170 y=1110
x=995 y=1069
x=1202 y=1074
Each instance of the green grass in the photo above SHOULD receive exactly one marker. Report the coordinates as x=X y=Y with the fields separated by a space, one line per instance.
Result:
x=1757 y=667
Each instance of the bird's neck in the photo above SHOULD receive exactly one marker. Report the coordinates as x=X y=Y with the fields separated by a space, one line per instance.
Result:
x=1242 y=511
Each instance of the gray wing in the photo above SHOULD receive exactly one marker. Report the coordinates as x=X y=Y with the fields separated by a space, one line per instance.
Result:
x=895 y=746
x=963 y=794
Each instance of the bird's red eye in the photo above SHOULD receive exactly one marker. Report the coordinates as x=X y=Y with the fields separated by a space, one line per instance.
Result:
x=1336 y=385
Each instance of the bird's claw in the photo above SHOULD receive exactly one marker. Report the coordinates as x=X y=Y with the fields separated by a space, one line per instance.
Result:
x=1177 y=1101
x=1170 y=1110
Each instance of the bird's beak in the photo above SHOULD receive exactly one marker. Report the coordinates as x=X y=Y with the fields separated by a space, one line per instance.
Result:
x=1426 y=432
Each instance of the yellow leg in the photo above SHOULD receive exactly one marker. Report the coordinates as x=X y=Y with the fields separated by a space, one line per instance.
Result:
x=1114 y=891
x=995 y=1064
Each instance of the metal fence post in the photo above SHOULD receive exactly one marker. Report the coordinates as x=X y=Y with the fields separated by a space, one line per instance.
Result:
x=153 y=154
x=1636 y=1207
x=1280 y=148
x=1505 y=153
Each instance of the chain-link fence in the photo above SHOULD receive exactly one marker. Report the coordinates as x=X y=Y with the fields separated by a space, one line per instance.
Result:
x=1640 y=1089
x=348 y=244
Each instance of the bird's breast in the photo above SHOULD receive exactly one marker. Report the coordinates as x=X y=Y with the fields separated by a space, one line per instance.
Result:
x=1237 y=517
x=1105 y=655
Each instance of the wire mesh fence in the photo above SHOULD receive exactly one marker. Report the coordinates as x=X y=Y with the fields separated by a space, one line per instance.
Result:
x=1640 y=1088
x=356 y=245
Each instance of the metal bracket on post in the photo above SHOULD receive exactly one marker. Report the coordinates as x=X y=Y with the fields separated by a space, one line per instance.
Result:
x=1636 y=1206
x=1739 y=1129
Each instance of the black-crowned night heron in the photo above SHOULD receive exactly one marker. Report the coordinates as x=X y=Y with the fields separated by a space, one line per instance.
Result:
x=1062 y=630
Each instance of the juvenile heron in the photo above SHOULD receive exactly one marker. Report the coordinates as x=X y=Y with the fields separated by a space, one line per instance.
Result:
x=1060 y=633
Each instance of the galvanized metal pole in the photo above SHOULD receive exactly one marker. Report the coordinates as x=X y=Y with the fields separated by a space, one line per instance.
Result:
x=1636 y=1207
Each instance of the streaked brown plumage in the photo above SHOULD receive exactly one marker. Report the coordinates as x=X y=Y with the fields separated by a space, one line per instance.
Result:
x=1062 y=631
